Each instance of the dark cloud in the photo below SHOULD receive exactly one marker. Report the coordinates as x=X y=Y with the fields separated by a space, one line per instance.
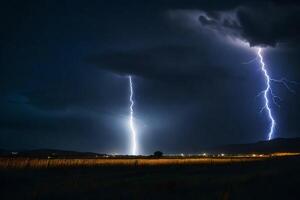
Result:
x=165 y=63
x=63 y=67
x=270 y=25
x=260 y=24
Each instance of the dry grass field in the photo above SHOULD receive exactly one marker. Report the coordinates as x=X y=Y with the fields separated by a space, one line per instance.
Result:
x=247 y=178
x=98 y=162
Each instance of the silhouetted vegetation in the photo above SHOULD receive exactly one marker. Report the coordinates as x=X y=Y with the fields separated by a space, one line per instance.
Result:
x=158 y=154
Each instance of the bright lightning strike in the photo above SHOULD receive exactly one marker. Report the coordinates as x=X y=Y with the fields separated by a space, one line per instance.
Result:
x=266 y=93
x=131 y=120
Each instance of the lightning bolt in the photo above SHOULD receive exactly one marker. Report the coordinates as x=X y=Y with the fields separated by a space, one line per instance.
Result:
x=266 y=93
x=131 y=119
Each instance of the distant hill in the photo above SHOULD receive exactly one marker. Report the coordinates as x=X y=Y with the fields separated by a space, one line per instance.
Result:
x=47 y=152
x=4 y=152
x=275 y=145
x=272 y=146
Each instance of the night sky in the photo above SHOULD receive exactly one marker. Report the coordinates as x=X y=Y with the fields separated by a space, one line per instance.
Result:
x=64 y=67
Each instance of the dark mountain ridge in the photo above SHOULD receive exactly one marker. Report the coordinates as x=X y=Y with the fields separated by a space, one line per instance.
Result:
x=272 y=146
x=46 y=152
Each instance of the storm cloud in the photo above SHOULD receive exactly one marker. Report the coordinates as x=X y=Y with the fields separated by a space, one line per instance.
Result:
x=64 y=67
x=263 y=24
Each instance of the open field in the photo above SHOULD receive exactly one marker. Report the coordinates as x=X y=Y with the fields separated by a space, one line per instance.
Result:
x=98 y=162
x=61 y=162
x=185 y=178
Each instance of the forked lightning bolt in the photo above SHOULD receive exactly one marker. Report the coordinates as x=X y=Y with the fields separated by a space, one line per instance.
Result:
x=131 y=119
x=266 y=93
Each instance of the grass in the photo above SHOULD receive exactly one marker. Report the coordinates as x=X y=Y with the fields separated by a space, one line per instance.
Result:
x=90 y=162
x=165 y=178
